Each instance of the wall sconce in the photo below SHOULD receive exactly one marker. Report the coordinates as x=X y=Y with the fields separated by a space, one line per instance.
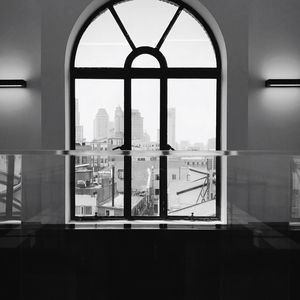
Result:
x=282 y=83
x=12 y=83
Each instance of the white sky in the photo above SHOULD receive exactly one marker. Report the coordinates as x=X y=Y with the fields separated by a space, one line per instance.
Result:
x=187 y=45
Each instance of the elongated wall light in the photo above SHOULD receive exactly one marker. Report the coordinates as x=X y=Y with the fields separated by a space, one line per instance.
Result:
x=12 y=83
x=282 y=83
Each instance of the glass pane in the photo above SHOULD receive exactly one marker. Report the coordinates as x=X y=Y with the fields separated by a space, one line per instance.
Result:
x=99 y=126
x=99 y=187
x=192 y=114
x=99 y=111
x=192 y=186
x=145 y=20
x=145 y=61
x=188 y=45
x=145 y=114
x=102 y=44
x=10 y=187
x=145 y=186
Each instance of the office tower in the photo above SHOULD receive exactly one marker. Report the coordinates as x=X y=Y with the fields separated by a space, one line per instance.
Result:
x=137 y=125
x=146 y=138
x=111 y=129
x=119 y=122
x=101 y=124
x=211 y=144
x=78 y=126
x=171 y=126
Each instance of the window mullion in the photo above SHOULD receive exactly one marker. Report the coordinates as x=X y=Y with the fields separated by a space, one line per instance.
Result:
x=127 y=146
x=163 y=140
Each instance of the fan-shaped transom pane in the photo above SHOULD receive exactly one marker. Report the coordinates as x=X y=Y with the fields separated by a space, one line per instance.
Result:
x=188 y=44
x=145 y=61
x=104 y=45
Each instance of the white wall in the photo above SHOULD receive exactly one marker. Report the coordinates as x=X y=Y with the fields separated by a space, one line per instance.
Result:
x=20 y=58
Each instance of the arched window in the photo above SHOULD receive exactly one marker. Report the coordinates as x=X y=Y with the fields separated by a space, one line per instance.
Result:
x=145 y=79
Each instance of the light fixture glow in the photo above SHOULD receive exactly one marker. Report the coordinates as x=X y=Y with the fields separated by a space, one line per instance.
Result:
x=282 y=83
x=12 y=83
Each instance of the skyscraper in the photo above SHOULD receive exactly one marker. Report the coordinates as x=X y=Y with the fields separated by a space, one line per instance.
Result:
x=137 y=124
x=171 y=126
x=119 y=122
x=78 y=128
x=101 y=124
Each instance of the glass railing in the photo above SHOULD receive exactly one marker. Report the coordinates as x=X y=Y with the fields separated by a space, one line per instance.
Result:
x=205 y=187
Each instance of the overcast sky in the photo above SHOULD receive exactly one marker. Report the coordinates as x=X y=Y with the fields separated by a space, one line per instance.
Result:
x=187 y=45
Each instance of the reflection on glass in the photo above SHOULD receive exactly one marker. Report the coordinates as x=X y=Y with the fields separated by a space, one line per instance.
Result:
x=145 y=114
x=296 y=189
x=193 y=100
x=10 y=187
x=145 y=20
x=192 y=186
x=102 y=44
x=99 y=189
x=188 y=44
x=145 y=186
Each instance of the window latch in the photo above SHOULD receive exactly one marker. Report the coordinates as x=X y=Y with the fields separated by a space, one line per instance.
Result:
x=169 y=147
x=119 y=147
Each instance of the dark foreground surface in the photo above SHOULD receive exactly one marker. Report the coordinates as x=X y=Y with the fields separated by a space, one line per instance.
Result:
x=59 y=262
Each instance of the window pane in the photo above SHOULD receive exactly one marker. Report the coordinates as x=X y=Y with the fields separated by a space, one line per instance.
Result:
x=99 y=111
x=188 y=44
x=145 y=20
x=192 y=114
x=192 y=186
x=145 y=186
x=145 y=124
x=99 y=189
x=145 y=61
x=102 y=44
x=99 y=126
x=145 y=114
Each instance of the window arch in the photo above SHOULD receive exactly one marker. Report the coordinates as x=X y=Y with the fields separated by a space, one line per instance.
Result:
x=118 y=49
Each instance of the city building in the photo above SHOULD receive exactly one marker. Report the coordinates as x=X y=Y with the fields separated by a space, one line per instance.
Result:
x=137 y=124
x=79 y=128
x=101 y=124
x=119 y=122
x=172 y=126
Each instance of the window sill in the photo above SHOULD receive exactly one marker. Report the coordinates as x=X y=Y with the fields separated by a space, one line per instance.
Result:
x=147 y=224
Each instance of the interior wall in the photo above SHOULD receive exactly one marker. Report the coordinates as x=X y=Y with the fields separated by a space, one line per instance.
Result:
x=20 y=58
x=274 y=52
x=273 y=113
x=261 y=39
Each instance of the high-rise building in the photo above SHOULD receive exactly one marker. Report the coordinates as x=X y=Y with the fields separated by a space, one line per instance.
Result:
x=78 y=127
x=137 y=124
x=119 y=122
x=171 y=126
x=146 y=137
x=211 y=144
x=111 y=129
x=101 y=124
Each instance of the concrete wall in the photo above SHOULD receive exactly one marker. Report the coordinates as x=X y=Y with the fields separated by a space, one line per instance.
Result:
x=261 y=39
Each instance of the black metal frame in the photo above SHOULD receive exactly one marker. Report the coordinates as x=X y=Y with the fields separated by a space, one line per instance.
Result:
x=163 y=73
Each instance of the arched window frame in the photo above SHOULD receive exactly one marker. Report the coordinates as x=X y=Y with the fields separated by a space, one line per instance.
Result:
x=163 y=73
